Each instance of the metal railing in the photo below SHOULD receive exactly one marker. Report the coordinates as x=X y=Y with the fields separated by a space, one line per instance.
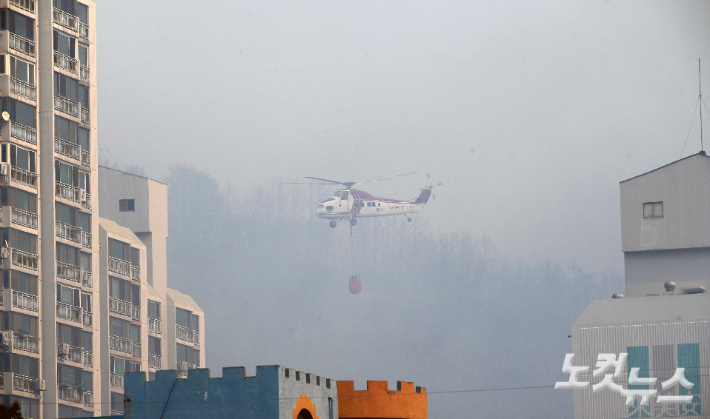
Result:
x=28 y=5
x=69 y=312
x=69 y=393
x=63 y=18
x=136 y=350
x=118 y=306
x=24 y=177
x=119 y=266
x=88 y=397
x=66 y=148
x=69 y=232
x=73 y=353
x=85 y=158
x=116 y=380
x=88 y=359
x=120 y=344
x=183 y=366
x=85 y=117
x=25 y=218
x=84 y=72
x=66 y=105
x=22 y=88
x=25 y=343
x=86 y=203
x=87 y=278
x=88 y=319
x=86 y=239
x=66 y=62
x=187 y=334
x=135 y=272
x=21 y=44
x=83 y=30
x=24 y=383
x=25 y=301
x=154 y=325
x=136 y=313
x=24 y=259
x=155 y=361
x=69 y=192
x=68 y=272
x=23 y=132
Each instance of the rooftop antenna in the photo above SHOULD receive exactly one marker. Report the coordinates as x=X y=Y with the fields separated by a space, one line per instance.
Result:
x=700 y=92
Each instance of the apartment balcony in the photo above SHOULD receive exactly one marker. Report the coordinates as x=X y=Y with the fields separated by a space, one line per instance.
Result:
x=25 y=343
x=23 y=45
x=136 y=350
x=115 y=380
x=88 y=398
x=86 y=200
x=23 y=177
x=84 y=72
x=154 y=325
x=25 y=384
x=68 y=232
x=155 y=361
x=120 y=344
x=119 y=266
x=69 y=393
x=87 y=319
x=83 y=30
x=20 y=259
x=68 y=192
x=65 y=148
x=187 y=334
x=87 y=279
x=136 y=313
x=69 y=312
x=70 y=353
x=25 y=301
x=23 y=133
x=66 y=62
x=68 y=272
x=88 y=359
x=66 y=20
x=85 y=117
x=66 y=105
x=183 y=366
x=118 y=306
x=22 y=88
x=15 y=217
x=26 y=5
x=86 y=239
x=135 y=273
x=85 y=158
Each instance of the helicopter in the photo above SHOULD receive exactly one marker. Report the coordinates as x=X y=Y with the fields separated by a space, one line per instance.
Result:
x=350 y=204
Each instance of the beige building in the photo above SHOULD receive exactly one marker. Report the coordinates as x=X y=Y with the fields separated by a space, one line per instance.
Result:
x=149 y=326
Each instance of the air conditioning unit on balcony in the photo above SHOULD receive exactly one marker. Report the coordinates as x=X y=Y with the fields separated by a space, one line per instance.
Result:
x=63 y=349
x=7 y=337
x=5 y=169
x=4 y=253
x=41 y=385
x=182 y=365
x=82 y=196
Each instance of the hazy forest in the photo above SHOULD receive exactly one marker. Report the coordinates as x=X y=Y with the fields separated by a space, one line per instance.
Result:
x=446 y=310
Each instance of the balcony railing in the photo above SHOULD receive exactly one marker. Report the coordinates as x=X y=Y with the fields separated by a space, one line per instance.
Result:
x=66 y=105
x=84 y=72
x=86 y=203
x=24 y=383
x=85 y=117
x=136 y=313
x=73 y=354
x=85 y=158
x=24 y=177
x=116 y=380
x=25 y=343
x=119 y=266
x=154 y=325
x=88 y=398
x=187 y=334
x=66 y=62
x=2 y=381
x=25 y=218
x=88 y=359
x=86 y=239
x=21 y=44
x=28 y=5
x=22 y=88
x=63 y=18
x=155 y=361
x=69 y=192
x=136 y=350
x=68 y=272
x=25 y=301
x=83 y=30
x=120 y=344
x=69 y=232
x=23 y=132
x=135 y=272
x=88 y=319
x=71 y=150
x=69 y=312
x=183 y=366
x=87 y=279
x=69 y=393
x=118 y=306
x=24 y=259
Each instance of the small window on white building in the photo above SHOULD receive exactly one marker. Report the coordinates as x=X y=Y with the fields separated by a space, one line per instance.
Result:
x=126 y=205
x=653 y=210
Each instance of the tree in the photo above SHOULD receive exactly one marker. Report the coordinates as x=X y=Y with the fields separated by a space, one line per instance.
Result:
x=12 y=412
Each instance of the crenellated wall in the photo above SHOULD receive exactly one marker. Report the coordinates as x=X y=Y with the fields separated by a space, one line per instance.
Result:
x=407 y=402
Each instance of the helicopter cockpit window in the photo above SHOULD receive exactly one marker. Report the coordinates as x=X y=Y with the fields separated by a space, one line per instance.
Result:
x=337 y=193
x=345 y=195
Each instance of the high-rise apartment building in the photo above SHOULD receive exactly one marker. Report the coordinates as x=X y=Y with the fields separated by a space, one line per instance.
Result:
x=80 y=302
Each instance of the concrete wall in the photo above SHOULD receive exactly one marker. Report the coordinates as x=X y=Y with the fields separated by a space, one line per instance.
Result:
x=646 y=272
x=379 y=402
x=301 y=390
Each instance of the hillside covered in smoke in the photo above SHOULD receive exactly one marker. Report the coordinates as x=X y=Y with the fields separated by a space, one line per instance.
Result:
x=444 y=309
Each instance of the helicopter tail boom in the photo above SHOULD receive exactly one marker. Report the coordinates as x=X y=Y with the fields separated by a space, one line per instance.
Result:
x=423 y=197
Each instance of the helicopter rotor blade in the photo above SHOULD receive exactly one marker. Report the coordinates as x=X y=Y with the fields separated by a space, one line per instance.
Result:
x=326 y=180
x=304 y=183
x=384 y=178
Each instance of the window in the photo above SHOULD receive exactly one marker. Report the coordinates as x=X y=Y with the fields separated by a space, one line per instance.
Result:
x=83 y=55
x=117 y=249
x=126 y=205
x=68 y=295
x=153 y=309
x=653 y=210
x=66 y=6
x=64 y=44
x=83 y=138
x=153 y=346
x=21 y=113
x=83 y=12
x=345 y=195
x=17 y=23
x=22 y=70
x=66 y=86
